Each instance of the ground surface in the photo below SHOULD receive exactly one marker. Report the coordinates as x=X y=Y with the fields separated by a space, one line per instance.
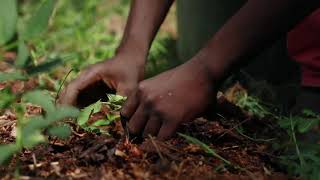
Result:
x=92 y=156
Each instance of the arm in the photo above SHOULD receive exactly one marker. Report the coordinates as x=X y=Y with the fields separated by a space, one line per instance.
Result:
x=255 y=26
x=126 y=69
x=182 y=94
x=144 y=20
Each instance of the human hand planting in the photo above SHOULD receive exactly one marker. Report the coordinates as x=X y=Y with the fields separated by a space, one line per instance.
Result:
x=160 y=104
x=121 y=73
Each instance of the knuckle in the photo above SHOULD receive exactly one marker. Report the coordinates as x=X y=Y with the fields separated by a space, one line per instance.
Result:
x=124 y=112
x=70 y=86
x=133 y=129
x=157 y=110
x=149 y=98
x=141 y=88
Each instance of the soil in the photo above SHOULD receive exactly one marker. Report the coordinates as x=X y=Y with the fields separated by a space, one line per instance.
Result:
x=86 y=155
x=96 y=156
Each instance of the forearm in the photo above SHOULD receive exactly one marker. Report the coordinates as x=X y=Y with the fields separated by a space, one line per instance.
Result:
x=144 y=20
x=256 y=25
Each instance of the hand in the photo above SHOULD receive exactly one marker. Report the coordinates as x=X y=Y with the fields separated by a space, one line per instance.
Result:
x=160 y=104
x=121 y=73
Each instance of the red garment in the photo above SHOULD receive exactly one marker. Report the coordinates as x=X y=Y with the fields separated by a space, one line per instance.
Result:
x=304 y=47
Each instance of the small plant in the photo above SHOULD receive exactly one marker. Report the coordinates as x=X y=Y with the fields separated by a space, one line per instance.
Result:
x=29 y=130
x=252 y=105
x=299 y=158
x=114 y=103
x=306 y=159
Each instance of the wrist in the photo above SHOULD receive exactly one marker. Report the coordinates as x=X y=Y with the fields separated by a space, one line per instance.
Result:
x=130 y=57
x=213 y=66
x=134 y=48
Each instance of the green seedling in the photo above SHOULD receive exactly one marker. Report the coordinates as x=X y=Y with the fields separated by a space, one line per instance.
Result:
x=305 y=162
x=252 y=104
x=299 y=158
x=29 y=130
x=114 y=102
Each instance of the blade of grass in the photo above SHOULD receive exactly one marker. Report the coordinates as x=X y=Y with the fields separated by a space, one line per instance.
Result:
x=302 y=162
x=205 y=148
x=62 y=83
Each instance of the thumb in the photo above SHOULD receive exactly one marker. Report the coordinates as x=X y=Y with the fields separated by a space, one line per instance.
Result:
x=70 y=94
x=126 y=89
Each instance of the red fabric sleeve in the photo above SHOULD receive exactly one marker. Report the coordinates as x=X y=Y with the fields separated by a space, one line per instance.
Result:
x=304 y=47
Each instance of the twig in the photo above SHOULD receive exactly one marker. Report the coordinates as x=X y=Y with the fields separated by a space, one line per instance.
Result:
x=157 y=148
x=34 y=160
x=252 y=139
x=231 y=129
x=302 y=162
x=64 y=80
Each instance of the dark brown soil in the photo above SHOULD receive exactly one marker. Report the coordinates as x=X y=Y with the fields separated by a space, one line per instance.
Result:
x=87 y=155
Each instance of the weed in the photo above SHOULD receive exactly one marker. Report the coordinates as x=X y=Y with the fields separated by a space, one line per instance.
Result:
x=306 y=160
x=298 y=157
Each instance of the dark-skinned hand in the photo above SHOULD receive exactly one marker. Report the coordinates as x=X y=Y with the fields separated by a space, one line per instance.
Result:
x=121 y=74
x=160 y=104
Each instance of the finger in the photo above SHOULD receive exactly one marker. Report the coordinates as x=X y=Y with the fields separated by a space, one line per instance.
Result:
x=108 y=84
x=153 y=126
x=71 y=92
x=167 y=130
x=130 y=106
x=138 y=121
x=84 y=79
x=125 y=89
x=68 y=96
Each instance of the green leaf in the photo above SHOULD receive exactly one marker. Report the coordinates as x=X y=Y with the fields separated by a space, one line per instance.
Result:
x=115 y=102
x=305 y=125
x=7 y=151
x=6 y=98
x=40 y=98
x=40 y=20
x=102 y=122
x=44 y=67
x=62 y=112
x=205 y=147
x=33 y=138
x=23 y=55
x=35 y=123
x=309 y=112
x=31 y=132
x=114 y=98
x=63 y=131
x=112 y=117
x=86 y=112
x=8 y=20
x=285 y=122
x=12 y=76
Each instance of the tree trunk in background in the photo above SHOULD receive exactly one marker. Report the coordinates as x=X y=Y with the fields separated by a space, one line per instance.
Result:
x=199 y=20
